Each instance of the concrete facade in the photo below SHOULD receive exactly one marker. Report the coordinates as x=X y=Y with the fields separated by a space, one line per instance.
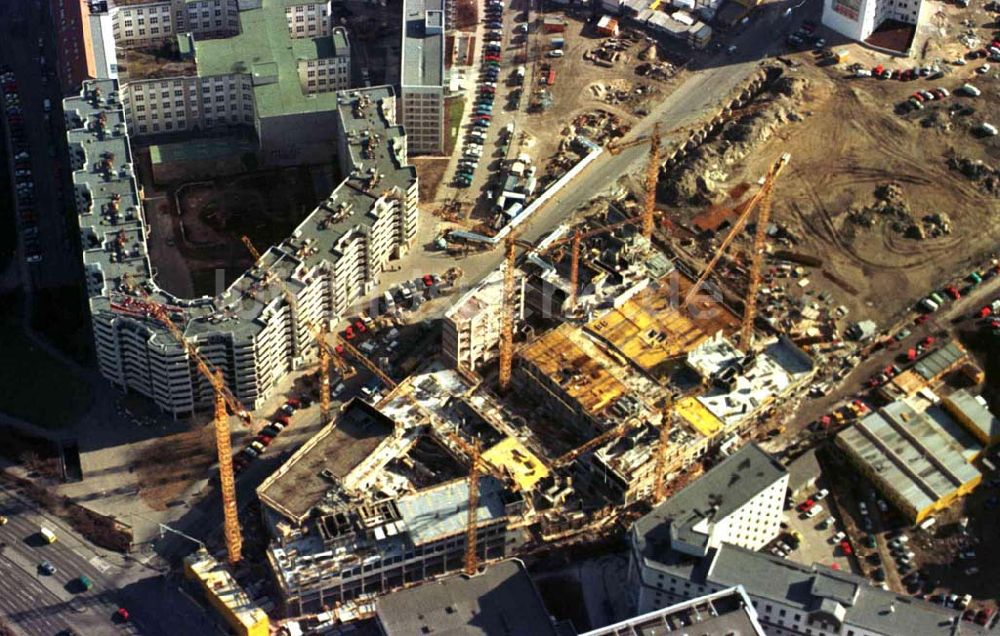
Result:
x=857 y=19
x=421 y=90
x=249 y=332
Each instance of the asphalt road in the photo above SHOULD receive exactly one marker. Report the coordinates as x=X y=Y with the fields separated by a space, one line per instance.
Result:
x=22 y=23
x=35 y=603
x=715 y=76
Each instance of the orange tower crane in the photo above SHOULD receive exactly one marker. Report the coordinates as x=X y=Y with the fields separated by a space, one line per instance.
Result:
x=757 y=258
x=223 y=443
x=763 y=193
x=662 y=446
x=471 y=521
x=326 y=354
x=510 y=262
x=652 y=178
x=596 y=442
x=476 y=469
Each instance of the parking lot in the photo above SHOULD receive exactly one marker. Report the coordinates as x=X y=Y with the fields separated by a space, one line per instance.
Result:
x=816 y=545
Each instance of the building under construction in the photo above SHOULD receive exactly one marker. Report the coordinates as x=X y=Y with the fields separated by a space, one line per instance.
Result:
x=249 y=332
x=639 y=363
x=379 y=498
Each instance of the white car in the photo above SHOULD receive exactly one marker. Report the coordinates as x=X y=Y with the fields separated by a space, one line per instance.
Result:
x=883 y=506
x=837 y=538
x=821 y=495
x=814 y=511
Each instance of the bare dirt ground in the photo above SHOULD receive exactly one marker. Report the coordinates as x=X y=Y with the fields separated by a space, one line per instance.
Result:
x=200 y=248
x=166 y=469
x=850 y=142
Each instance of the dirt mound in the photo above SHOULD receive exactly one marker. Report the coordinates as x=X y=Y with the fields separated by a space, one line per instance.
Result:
x=980 y=172
x=891 y=207
x=701 y=175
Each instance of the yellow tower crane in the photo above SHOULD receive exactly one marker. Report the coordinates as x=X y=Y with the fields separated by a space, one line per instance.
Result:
x=763 y=198
x=319 y=334
x=223 y=443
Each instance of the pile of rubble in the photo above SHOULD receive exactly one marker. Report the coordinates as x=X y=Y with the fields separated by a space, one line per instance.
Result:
x=656 y=70
x=609 y=52
x=986 y=176
x=890 y=206
x=598 y=126
x=699 y=177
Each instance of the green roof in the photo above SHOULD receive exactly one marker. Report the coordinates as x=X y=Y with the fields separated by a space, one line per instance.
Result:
x=265 y=49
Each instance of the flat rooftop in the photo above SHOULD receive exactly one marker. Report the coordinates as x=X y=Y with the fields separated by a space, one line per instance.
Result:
x=265 y=49
x=727 y=611
x=338 y=448
x=974 y=410
x=501 y=600
x=715 y=495
x=219 y=583
x=442 y=510
x=919 y=456
x=423 y=43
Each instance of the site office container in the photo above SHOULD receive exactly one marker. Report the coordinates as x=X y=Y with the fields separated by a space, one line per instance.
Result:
x=554 y=25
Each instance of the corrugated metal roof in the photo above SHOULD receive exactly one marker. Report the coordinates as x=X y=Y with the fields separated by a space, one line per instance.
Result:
x=936 y=363
x=911 y=453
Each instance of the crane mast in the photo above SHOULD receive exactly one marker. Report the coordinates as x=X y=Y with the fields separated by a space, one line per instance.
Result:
x=227 y=480
x=471 y=555
x=652 y=177
x=507 y=316
x=757 y=258
x=738 y=225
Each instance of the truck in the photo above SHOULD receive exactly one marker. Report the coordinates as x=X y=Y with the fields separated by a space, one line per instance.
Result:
x=48 y=535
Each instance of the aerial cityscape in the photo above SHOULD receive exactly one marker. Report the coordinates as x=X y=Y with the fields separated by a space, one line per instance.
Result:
x=500 y=317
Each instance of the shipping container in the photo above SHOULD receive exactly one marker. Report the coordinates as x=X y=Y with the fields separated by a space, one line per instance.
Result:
x=554 y=25
x=550 y=79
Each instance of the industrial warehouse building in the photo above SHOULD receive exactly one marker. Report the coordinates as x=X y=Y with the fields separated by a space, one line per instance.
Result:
x=249 y=332
x=921 y=461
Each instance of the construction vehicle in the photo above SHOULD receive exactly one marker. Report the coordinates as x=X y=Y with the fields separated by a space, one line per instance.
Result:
x=326 y=353
x=763 y=195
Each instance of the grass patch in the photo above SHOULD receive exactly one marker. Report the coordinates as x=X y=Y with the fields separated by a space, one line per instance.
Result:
x=455 y=107
x=34 y=386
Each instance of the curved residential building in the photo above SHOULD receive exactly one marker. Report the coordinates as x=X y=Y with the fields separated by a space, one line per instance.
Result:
x=249 y=332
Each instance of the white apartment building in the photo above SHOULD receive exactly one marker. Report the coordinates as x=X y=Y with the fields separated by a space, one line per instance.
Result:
x=702 y=541
x=858 y=19
x=188 y=103
x=248 y=332
x=147 y=24
x=421 y=90
x=308 y=19
x=470 y=332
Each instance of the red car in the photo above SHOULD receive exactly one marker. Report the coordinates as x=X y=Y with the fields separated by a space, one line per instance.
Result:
x=428 y=280
x=492 y=58
x=284 y=419
x=917 y=96
x=985 y=312
x=952 y=291
x=845 y=545
x=264 y=439
x=339 y=349
x=295 y=403
x=806 y=505
x=122 y=614
x=922 y=319
x=360 y=326
x=983 y=616
x=349 y=333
